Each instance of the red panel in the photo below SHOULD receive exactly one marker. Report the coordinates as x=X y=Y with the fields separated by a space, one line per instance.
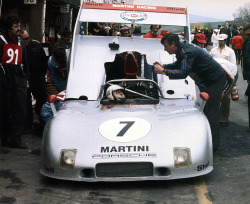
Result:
x=204 y=96
x=51 y=98
x=12 y=54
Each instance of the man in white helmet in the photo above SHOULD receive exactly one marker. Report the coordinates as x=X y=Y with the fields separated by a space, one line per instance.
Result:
x=115 y=93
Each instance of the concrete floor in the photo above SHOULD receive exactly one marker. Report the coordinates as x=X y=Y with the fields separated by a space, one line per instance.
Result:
x=228 y=183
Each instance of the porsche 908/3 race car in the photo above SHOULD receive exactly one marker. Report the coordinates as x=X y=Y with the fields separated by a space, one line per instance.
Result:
x=157 y=132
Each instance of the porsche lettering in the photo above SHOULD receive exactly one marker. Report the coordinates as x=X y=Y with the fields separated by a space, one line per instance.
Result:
x=132 y=155
x=125 y=149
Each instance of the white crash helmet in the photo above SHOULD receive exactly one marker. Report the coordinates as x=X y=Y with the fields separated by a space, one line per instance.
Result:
x=110 y=90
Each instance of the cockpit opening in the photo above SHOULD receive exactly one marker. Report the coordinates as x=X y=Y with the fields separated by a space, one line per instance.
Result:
x=136 y=91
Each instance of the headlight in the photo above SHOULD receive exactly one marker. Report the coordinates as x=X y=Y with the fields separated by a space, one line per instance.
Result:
x=182 y=157
x=67 y=158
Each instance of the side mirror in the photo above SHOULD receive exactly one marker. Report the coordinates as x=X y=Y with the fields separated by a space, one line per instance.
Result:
x=204 y=96
x=51 y=99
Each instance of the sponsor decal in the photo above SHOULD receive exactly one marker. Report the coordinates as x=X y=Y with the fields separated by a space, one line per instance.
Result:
x=175 y=10
x=124 y=149
x=93 y=4
x=125 y=129
x=133 y=16
x=189 y=96
x=202 y=166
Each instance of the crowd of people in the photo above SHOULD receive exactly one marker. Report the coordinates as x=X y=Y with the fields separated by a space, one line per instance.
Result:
x=234 y=37
x=25 y=70
x=227 y=44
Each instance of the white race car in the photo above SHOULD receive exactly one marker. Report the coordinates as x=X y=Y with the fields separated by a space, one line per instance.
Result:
x=154 y=131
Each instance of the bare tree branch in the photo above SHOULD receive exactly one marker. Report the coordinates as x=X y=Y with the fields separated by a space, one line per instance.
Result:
x=242 y=14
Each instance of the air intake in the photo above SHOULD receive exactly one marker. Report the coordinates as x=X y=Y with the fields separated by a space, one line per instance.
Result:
x=126 y=169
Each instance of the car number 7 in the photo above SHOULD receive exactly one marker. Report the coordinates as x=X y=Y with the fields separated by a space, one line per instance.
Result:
x=125 y=129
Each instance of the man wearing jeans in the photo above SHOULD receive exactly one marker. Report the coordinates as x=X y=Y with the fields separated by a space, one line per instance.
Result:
x=246 y=66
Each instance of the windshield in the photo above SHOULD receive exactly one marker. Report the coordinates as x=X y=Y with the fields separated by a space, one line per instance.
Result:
x=131 y=30
x=136 y=91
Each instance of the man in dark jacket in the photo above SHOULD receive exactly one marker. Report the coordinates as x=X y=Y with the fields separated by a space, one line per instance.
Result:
x=223 y=30
x=65 y=41
x=208 y=75
x=245 y=63
x=230 y=34
x=15 y=73
x=1 y=101
x=38 y=66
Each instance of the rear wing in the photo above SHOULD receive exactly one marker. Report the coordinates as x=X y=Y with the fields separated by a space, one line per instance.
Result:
x=122 y=13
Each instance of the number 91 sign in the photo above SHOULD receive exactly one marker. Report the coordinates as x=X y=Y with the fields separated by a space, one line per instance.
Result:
x=12 y=54
x=125 y=129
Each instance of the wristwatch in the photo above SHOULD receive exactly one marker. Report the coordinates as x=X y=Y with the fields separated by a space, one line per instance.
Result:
x=165 y=71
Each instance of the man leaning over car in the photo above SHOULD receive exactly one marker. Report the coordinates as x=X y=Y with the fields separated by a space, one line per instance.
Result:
x=208 y=75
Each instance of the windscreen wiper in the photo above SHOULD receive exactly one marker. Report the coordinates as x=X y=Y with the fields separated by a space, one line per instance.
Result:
x=128 y=90
x=82 y=98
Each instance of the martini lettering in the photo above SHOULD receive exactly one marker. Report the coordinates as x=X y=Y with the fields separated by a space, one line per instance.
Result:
x=125 y=149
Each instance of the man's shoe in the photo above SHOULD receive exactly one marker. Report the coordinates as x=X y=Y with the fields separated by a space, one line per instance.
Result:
x=223 y=124
x=18 y=146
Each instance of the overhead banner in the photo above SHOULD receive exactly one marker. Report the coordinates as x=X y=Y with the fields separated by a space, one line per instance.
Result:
x=130 y=7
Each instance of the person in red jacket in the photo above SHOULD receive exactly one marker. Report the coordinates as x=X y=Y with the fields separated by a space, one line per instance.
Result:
x=237 y=43
x=148 y=69
x=154 y=32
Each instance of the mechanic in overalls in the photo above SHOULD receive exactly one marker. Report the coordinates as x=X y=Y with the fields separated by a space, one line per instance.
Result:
x=14 y=71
